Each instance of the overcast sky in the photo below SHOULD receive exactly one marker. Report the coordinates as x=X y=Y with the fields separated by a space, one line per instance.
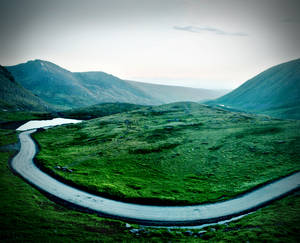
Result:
x=197 y=43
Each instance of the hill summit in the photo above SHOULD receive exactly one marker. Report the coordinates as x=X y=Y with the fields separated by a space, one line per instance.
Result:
x=275 y=92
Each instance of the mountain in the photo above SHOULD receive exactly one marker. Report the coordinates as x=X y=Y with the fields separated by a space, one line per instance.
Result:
x=69 y=90
x=168 y=94
x=274 y=92
x=65 y=89
x=14 y=97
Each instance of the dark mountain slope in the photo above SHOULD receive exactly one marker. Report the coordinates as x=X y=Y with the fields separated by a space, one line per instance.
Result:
x=169 y=94
x=275 y=91
x=14 y=97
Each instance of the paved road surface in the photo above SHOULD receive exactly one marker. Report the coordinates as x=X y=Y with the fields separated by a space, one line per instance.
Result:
x=23 y=164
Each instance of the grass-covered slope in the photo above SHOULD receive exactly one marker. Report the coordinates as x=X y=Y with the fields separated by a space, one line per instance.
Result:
x=168 y=94
x=98 y=110
x=28 y=216
x=14 y=97
x=275 y=92
x=182 y=153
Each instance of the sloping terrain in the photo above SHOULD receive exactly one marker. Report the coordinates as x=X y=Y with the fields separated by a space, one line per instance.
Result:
x=180 y=153
x=14 y=97
x=168 y=93
x=275 y=92
x=27 y=215
x=99 y=110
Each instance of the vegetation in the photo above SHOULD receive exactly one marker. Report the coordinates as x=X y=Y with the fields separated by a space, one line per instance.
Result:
x=27 y=215
x=10 y=116
x=14 y=119
x=275 y=92
x=279 y=222
x=99 y=110
x=7 y=137
x=182 y=153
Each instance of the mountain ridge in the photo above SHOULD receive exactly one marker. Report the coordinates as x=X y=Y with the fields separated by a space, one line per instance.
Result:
x=66 y=89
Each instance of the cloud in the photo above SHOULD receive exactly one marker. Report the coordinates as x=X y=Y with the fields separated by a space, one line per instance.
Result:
x=200 y=29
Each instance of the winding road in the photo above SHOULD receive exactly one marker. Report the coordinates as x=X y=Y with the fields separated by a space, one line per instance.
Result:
x=23 y=165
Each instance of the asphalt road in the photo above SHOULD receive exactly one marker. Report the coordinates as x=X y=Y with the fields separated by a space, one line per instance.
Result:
x=23 y=164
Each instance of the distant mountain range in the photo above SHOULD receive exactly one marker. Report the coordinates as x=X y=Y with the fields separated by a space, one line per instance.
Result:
x=65 y=89
x=167 y=94
x=42 y=86
x=14 y=97
x=274 y=92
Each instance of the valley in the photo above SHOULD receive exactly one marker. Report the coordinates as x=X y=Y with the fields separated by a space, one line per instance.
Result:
x=150 y=121
x=22 y=218
x=175 y=154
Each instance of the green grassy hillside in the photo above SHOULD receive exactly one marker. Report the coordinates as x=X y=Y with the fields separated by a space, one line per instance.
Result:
x=26 y=216
x=181 y=153
x=275 y=92
x=13 y=97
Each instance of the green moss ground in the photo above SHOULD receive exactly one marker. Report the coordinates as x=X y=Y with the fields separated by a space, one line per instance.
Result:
x=182 y=153
x=278 y=222
x=7 y=137
x=99 y=110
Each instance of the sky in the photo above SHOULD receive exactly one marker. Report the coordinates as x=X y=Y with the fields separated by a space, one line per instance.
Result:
x=215 y=44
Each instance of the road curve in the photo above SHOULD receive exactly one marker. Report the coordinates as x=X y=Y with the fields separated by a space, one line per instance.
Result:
x=23 y=165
